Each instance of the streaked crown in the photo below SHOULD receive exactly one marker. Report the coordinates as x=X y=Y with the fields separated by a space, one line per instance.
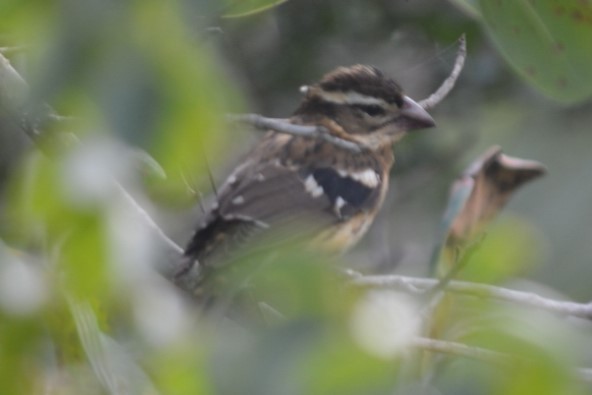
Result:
x=363 y=101
x=361 y=83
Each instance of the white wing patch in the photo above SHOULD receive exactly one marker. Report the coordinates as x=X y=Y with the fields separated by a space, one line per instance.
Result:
x=367 y=177
x=311 y=186
x=339 y=203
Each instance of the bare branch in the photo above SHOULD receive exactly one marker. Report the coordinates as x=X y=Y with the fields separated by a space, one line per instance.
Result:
x=283 y=126
x=484 y=355
x=417 y=285
x=143 y=214
x=449 y=82
x=463 y=350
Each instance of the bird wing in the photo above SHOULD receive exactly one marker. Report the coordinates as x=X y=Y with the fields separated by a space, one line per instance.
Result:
x=257 y=196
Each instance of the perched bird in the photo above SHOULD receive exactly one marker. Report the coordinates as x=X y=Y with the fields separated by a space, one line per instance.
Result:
x=287 y=181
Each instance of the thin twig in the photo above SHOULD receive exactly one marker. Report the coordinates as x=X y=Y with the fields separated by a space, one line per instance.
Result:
x=283 y=126
x=143 y=214
x=463 y=350
x=449 y=82
x=421 y=286
x=484 y=355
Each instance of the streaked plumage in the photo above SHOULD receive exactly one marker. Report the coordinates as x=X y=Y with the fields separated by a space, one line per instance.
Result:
x=287 y=180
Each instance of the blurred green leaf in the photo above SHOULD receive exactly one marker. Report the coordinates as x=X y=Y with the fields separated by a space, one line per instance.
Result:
x=547 y=42
x=471 y=7
x=543 y=348
x=195 y=96
x=338 y=367
x=45 y=214
x=294 y=280
x=241 y=8
x=84 y=257
x=19 y=340
x=509 y=247
x=181 y=370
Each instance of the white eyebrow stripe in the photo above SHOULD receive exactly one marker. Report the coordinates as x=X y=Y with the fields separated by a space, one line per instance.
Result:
x=352 y=97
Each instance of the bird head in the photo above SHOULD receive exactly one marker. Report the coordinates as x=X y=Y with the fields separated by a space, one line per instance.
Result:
x=368 y=106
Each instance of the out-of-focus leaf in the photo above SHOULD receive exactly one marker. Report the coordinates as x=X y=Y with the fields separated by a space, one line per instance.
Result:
x=510 y=247
x=241 y=8
x=470 y=7
x=182 y=370
x=112 y=365
x=18 y=342
x=547 y=42
x=195 y=95
x=290 y=278
x=545 y=350
x=84 y=257
x=338 y=366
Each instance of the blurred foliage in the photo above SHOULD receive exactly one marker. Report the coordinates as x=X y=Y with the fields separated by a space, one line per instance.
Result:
x=236 y=9
x=549 y=43
x=82 y=308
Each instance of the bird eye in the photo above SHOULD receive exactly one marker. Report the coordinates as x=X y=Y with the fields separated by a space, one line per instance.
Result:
x=370 y=109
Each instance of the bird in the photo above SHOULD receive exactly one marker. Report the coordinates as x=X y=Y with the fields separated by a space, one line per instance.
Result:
x=286 y=181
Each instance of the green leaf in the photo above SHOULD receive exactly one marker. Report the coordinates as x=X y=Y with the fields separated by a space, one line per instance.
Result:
x=195 y=93
x=338 y=366
x=470 y=7
x=511 y=246
x=241 y=8
x=547 y=42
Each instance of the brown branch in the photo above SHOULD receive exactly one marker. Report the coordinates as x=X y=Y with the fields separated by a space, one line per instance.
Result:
x=421 y=286
x=449 y=82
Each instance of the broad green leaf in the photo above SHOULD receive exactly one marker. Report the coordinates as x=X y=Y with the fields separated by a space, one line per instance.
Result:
x=236 y=9
x=547 y=42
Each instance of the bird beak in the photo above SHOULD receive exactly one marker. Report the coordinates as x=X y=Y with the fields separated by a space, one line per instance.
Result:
x=415 y=116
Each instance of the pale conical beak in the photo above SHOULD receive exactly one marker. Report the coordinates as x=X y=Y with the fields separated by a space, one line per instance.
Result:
x=415 y=116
